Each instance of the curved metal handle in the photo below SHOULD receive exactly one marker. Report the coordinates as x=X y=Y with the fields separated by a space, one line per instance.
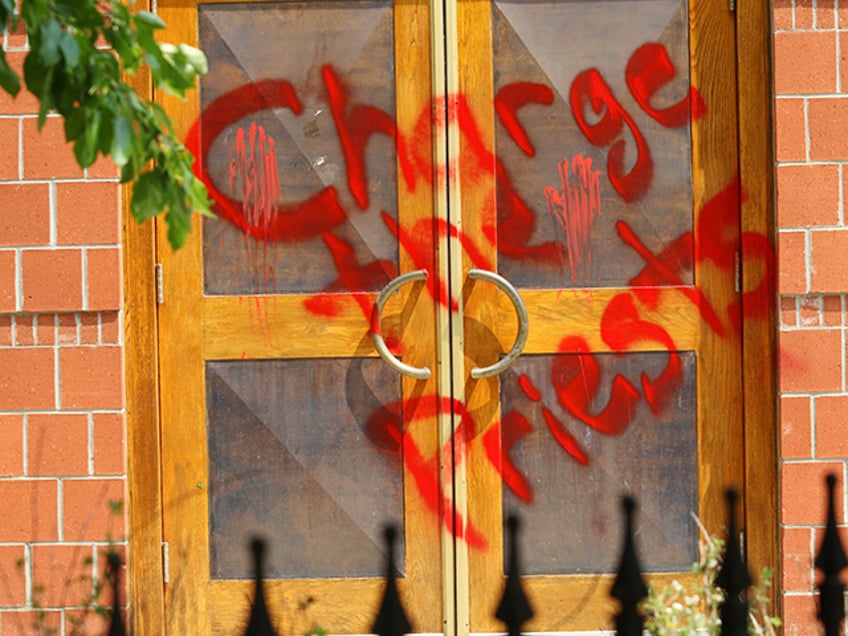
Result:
x=523 y=323
x=420 y=373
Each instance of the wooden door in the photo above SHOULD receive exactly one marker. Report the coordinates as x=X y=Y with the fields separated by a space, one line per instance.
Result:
x=279 y=419
x=611 y=204
x=581 y=153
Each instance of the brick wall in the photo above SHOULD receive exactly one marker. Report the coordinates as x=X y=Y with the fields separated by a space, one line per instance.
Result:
x=62 y=421
x=811 y=114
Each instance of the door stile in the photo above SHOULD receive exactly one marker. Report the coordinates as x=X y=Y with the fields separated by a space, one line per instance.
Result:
x=716 y=193
x=184 y=496
x=447 y=213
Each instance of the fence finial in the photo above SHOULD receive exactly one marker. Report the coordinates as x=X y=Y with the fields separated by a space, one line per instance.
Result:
x=830 y=560
x=514 y=609
x=391 y=619
x=260 y=621
x=629 y=586
x=116 y=622
x=733 y=577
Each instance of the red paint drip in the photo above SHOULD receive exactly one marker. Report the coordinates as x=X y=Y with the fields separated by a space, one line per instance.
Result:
x=575 y=206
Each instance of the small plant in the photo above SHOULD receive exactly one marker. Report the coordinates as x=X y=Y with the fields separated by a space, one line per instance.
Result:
x=678 y=609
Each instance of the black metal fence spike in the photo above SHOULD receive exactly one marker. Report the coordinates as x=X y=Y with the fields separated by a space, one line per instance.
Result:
x=733 y=577
x=116 y=621
x=259 y=623
x=831 y=560
x=629 y=586
x=514 y=609
x=391 y=619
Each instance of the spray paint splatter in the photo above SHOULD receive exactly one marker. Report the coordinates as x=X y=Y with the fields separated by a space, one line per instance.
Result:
x=576 y=206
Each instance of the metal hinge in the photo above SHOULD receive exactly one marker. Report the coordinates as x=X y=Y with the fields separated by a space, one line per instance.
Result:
x=166 y=563
x=737 y=272
x=731 y=5
x=160 y=287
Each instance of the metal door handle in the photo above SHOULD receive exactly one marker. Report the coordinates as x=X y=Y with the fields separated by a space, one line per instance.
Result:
x=420 y=373
x=523 y=323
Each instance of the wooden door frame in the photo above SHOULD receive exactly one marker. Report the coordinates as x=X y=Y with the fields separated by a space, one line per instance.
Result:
x=756 y=166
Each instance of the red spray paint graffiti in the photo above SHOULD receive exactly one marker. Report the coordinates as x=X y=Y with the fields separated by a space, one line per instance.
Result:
x=575 y=378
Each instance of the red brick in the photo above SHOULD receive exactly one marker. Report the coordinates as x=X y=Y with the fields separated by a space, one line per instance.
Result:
x=24 y=333
x=104 y=278
x=57 y=444
x=842 y=16
x=788 y=312
x=795 y=428
x=809 y=313
x=790 y=129
x=11 y=445
x=832 y=310
x=110 y=327
x=90 y=509
x=87 y=213
x=30 y=622
x=26 y=379
x=68 y=329
x=109 y=444
x=103 y=552
x=16 y=38
x=807 y=195
x=52 y=279
x=831 y=426
x=91 y=377
x=826 y=14
x=12 y=576
x=827 y=261
x=810 y=360
x=803 y=14
x=29 y=509
x=89 y=329
x=805 y=62
x=89 y=621
x=47 y=329
x=799 y=615
x=46 y=153
x=792 y=262
x=803 y=492
x=5 y=331
x=26 y=214
x=63 y=574
x=782 y=12
x=103 y=168
x=828 y=133
x=797 y=549
x=9 y=157
x=25 y=103
x=8 y=278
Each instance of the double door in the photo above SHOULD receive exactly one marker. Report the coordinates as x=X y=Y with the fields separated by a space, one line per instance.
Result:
x=470 y=258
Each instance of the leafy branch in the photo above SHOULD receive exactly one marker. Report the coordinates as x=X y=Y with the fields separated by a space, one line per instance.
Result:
x=80 y=51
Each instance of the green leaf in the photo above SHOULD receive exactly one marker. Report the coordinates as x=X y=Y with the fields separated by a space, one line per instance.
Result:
x=74 y=124
x=150 y=19
x=148 y=197
x=70 y=49
x=47 y=45
x=122 y=140
x=9 y=80
x=85 y=148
